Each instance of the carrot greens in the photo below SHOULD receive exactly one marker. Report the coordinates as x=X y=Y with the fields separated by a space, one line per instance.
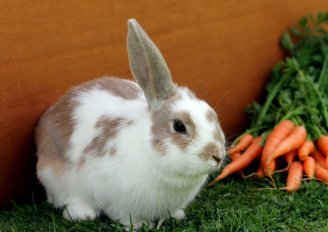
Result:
x=298 y=86
x=293 y=118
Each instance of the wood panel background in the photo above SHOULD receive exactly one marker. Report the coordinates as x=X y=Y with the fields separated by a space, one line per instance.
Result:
x=223 y=50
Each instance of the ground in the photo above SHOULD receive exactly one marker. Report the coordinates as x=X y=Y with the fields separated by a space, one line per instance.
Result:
x=232 y=205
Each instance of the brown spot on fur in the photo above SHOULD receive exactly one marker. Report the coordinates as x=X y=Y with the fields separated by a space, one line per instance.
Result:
x=160 y=132
x=210 y=150
x=56 y=165
x=55 y=128
x=125 y=89
x=179 y=139
x=163 y=132
x=81 y=162
x=163 y=123
x=56 y=124
x=109 y=128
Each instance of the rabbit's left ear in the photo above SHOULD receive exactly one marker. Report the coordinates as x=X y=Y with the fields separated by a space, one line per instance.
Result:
x=148 y=66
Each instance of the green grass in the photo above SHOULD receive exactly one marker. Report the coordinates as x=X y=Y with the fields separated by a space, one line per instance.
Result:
x=231 y=206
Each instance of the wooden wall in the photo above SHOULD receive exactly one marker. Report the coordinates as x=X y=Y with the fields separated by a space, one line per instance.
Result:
x=223 y=50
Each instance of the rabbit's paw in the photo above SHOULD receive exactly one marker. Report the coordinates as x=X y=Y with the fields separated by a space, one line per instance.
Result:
x=179 y=214
x=137 y=225
x=79 y=212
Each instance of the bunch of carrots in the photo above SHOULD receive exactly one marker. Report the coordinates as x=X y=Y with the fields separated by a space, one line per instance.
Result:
x=291 y=125
x=302 y=156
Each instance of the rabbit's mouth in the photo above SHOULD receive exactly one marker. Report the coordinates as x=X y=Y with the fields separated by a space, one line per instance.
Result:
x=223 y=162
x=217 y=159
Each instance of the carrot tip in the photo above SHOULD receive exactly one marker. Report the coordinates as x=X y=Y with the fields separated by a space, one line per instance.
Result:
x=249 y=175
x=211 y=184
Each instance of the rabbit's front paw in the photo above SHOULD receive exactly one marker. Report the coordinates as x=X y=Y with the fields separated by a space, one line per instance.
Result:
x=138 y=225
x=179 y=214
x=78 y=212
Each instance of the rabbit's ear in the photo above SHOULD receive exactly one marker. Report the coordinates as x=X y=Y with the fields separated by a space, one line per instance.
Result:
x=148 y=66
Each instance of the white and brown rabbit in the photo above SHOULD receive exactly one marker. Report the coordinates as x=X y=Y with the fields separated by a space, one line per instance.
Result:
x=136 y=151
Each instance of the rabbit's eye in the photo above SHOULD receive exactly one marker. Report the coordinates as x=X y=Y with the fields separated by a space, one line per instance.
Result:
x=179 y=126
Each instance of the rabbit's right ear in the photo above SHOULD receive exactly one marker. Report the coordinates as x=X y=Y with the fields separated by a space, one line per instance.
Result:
x=148 y=66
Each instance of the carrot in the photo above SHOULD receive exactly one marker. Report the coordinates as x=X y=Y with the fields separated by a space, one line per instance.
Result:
x=322 y=144
x=270 y=168
x=319 y=158
x=321 y=173
x=280 y=132
x=289 y=157
x=260 y=173
x=294 y=178
x=309 y=166
x=242 y=144
x=306 y=148
x=291 y=142
x=234 y=156
x=252 y=152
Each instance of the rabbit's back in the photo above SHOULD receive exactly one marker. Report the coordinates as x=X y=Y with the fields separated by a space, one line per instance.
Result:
x=87 y=120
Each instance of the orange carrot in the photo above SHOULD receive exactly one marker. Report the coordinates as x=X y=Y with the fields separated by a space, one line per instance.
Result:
x=319 y=158
x=281 y=131
x=269 y=169
x=294 y=178
x=293 y=141
x=306 y=148
x=289 y=157
x=309 y=166
x=322 y=144
x=321 y=173
x=234 y=156
x=252 y=152
x=242 y=144
x=260 y=173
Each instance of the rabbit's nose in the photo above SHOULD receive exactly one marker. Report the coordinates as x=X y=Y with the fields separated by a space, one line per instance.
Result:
x=210 y=151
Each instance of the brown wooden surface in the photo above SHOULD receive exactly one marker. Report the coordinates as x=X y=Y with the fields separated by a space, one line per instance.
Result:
x=223 y=50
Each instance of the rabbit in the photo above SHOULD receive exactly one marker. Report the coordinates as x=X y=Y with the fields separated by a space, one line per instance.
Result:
x=136 y=151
